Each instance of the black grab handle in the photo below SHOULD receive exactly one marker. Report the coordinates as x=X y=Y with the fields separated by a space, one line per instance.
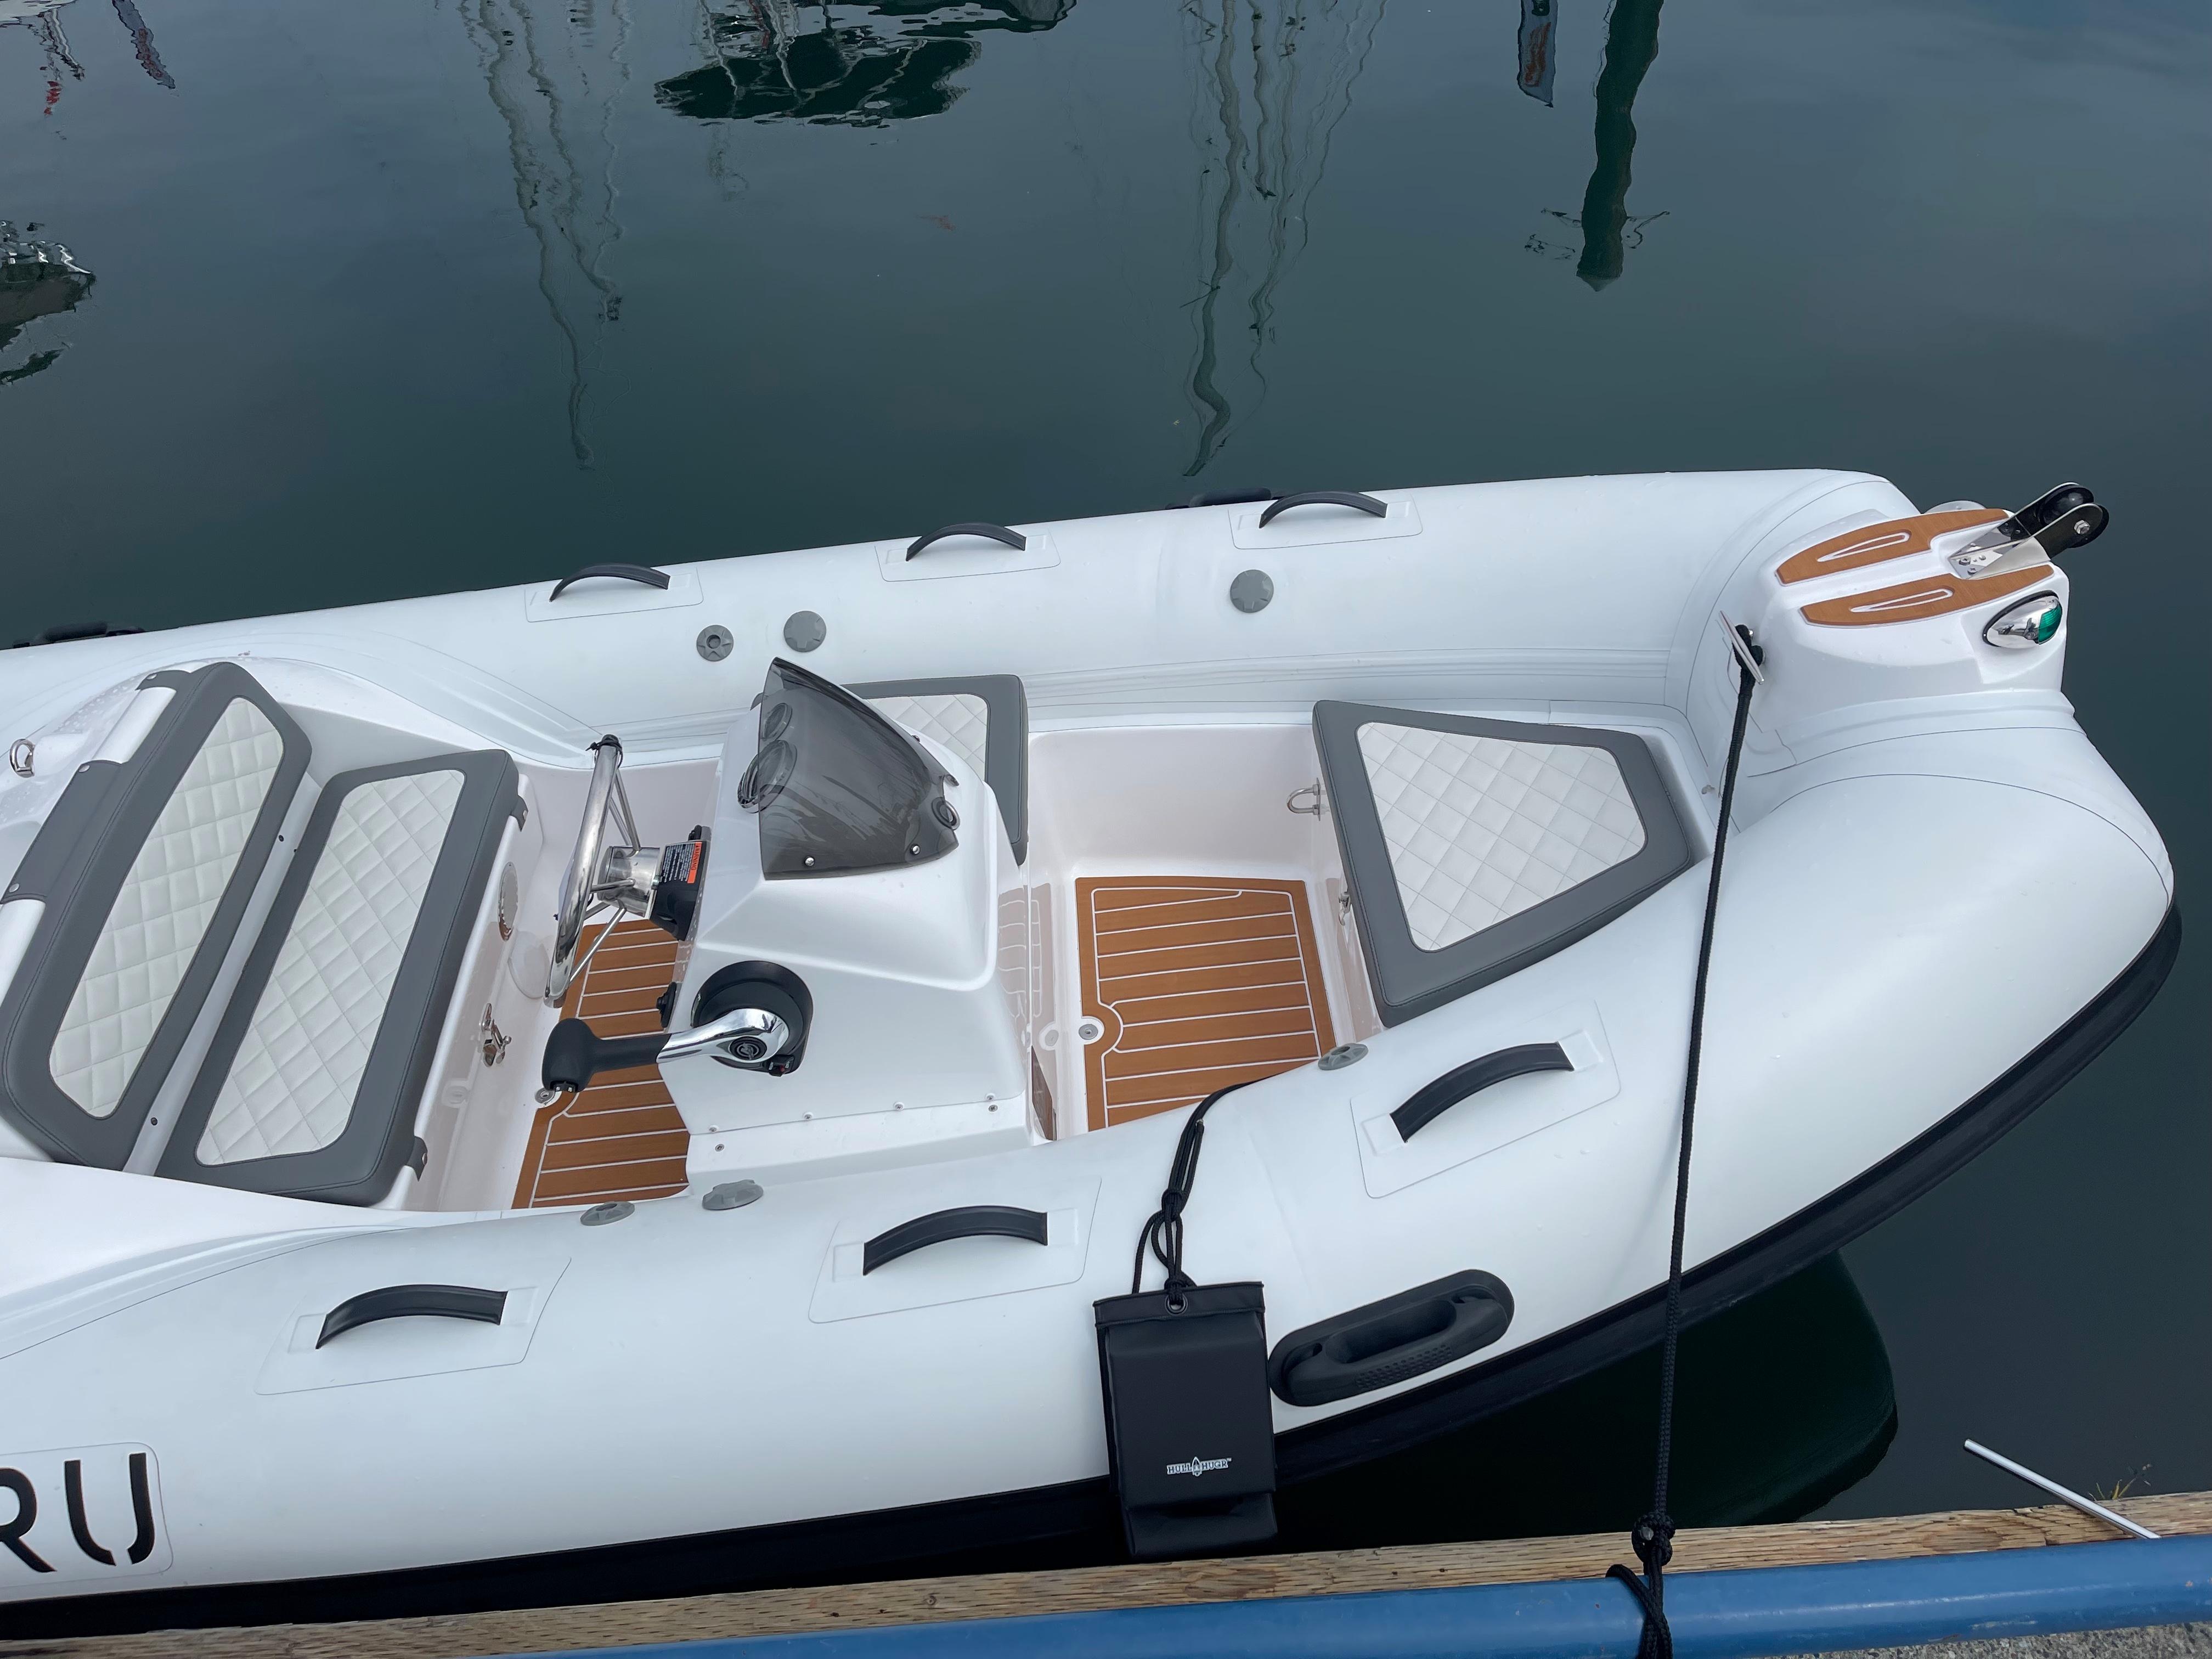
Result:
x=628 y=572
x=1388 y=1341
x=1433 y=1100
x=413 y=1301
x=974 y=1221
x=997 y=532
x=575 y=1054
x=1366 y=504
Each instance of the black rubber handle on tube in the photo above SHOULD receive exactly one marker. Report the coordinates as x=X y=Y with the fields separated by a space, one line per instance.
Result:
x=628 y=572
x=1366 y=504
x=412 y=1301
x=1433 y=1100
x=997 y=532
x=971 y=1221
x=1388 y=1341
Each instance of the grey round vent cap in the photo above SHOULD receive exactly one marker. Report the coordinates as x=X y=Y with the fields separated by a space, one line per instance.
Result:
x=803 y=630
x=731 y=1195
x=1251 y=590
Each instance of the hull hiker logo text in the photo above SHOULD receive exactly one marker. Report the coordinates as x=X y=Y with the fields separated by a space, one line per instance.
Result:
x=1198 y=1465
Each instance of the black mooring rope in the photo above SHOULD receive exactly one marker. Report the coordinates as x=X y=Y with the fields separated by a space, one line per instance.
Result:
x=1164 y=1232
x=1653 y=1537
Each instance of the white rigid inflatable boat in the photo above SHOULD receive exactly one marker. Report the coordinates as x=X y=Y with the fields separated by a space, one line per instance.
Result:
x=326 y=1251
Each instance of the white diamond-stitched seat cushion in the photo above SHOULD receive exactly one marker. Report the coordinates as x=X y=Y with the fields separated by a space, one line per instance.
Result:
x=292 y=1086
x=1479 y=829
x=161 y=912
x=959 y=719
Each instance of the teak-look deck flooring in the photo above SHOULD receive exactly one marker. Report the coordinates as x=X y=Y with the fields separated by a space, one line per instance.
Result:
x=622 y=1137
x=1201 y=981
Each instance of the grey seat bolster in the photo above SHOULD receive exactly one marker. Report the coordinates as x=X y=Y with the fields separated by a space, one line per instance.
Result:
x=378 y=1140
x=77 y=865
x=1406 y=979
x=1006 y=744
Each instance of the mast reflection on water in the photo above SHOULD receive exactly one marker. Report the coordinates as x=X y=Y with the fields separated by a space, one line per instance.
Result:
x=1275 y=78
x=555 y=74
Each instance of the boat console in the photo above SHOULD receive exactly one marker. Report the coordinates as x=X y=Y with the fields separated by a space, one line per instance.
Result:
x=839 y=986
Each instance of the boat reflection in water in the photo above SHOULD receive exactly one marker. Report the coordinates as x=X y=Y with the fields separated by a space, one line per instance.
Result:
x=42 y=19
x=1607 y=231
x=38 y=278
x=865 y=66
x=1785 y=1401
x=557 y=72
x=142 y=44
x=1273 y=78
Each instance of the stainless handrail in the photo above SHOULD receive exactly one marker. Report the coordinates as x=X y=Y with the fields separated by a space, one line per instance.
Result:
x=579 y=882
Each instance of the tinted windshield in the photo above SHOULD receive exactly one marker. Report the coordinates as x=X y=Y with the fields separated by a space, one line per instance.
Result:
x=838 y=787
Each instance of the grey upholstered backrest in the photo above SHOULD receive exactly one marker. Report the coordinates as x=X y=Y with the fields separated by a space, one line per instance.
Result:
x=1474 y=847
x=145 y=868
x=310 y=1085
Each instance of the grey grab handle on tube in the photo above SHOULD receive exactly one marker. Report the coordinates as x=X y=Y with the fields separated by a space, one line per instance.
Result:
x=1433 y=1100
x=1384 y=1342
x=413 y=1301
x=628 y=572
x=973 y=1221
x=1366 y=504
x=996 y=532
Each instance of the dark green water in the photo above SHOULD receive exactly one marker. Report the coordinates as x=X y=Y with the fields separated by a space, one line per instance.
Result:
x=393 y=298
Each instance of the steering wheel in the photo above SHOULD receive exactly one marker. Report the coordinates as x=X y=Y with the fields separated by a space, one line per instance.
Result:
x=588 y=886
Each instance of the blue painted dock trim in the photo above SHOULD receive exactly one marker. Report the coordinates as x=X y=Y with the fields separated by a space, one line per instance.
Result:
x=1715 y=1616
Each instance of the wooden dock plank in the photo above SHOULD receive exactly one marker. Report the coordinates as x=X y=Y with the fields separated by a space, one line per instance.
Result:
x=1085 y=1590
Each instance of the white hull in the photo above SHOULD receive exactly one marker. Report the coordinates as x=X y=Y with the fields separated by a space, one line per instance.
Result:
x=1932 y=874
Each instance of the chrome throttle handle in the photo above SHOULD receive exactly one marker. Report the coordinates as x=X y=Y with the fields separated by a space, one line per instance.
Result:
x=746 y=1036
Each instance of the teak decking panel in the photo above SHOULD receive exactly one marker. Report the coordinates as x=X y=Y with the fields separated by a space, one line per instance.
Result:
x=622 y=1137
x=1199 y=982
x=1877 y=543
x=1933 y=595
